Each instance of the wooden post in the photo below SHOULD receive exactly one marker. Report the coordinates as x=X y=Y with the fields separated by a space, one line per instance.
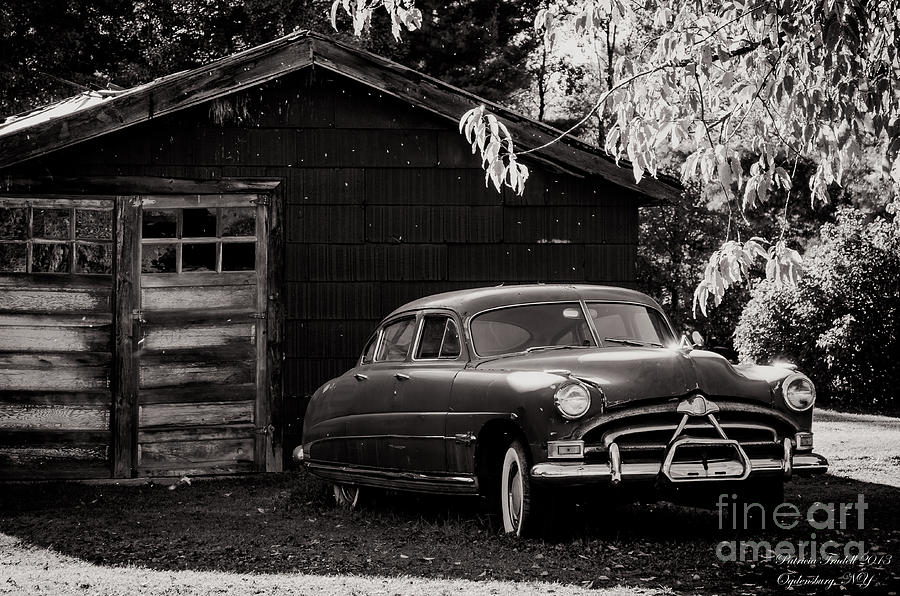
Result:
x=127 y=300
x=275 y=330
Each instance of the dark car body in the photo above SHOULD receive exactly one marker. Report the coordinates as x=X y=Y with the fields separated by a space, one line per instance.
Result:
x=656 y=411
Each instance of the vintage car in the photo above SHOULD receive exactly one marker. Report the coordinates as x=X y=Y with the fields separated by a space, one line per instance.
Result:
x=517 y=390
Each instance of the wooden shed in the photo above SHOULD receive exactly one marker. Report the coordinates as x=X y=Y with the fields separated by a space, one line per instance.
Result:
x=183 y=262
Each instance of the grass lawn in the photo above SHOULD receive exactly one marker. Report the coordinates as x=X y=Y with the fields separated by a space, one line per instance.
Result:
x=256 y=534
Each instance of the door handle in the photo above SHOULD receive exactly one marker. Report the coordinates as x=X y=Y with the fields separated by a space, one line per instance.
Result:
x=401 y=377
x=360 y=377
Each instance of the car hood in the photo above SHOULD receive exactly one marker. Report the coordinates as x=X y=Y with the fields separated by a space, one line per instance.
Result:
x=629 y=374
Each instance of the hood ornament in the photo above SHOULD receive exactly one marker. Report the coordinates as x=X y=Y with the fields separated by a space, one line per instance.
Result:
x=697 y=405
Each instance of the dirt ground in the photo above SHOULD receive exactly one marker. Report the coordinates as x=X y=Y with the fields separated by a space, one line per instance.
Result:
x=256 y=534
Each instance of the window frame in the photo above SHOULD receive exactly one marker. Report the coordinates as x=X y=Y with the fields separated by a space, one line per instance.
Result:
x=72 y=241
x=448 y=316
x=416 y=318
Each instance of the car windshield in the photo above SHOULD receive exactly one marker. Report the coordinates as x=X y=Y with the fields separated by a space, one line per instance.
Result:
x=629 y=324
x=530 y=327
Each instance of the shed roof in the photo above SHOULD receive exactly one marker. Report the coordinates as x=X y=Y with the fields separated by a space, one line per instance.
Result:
x=90 y=115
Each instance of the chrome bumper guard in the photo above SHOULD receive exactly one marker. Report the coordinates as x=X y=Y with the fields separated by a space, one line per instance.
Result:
x=737 y=467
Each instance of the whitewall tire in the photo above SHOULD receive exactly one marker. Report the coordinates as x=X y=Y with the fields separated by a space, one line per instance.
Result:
x=516 y=498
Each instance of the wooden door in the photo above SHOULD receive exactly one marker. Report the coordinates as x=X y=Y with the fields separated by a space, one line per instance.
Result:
x=199 y=334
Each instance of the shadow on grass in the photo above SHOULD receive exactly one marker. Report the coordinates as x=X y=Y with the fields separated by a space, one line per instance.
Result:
x=280 y=523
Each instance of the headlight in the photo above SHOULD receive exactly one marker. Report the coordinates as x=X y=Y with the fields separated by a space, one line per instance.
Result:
x=799 y=392
x=572 y=400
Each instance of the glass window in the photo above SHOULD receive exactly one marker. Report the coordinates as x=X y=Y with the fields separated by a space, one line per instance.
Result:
x=231 y=246
x=450 y=344
x=396 y=340
x=93 y=224
x=14 y=223
x=54 y=224
x=529 y=326
x=93 y=258
x=238 y=256
x=439 y=338
x=50 y=258
x=41 y=236
x=369 y=351
x=198 y=223
x=620 y=323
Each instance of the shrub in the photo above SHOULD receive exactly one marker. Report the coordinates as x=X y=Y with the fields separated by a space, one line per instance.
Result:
x=840 y=323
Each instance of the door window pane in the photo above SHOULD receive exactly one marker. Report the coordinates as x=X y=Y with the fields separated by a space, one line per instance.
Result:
x=198 y=223
x=432 y=335
x=238 y=221
x=159 y=224
x=14 y=223
x=93 y=223
x=198 y=257
x=51 y=223
x=397 y=338
x=93 y=258
x=158 y=258
x=12 y=257
x=50 y=258
x=238 y=256
x=450 y=343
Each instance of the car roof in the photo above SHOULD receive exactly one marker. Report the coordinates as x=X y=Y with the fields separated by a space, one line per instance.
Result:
x=472 y=301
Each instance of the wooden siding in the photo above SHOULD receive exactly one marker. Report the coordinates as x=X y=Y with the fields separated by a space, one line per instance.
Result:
x=383 y=203
x=55 y=373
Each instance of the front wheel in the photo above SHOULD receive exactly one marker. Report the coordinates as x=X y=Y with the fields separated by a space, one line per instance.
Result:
x=516 y=496
x=346 y=496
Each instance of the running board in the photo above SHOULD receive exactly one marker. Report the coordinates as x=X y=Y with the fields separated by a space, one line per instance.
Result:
x=395 y=480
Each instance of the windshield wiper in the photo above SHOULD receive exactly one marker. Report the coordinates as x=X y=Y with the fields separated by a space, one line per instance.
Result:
x=539 y=348
x=631 y=342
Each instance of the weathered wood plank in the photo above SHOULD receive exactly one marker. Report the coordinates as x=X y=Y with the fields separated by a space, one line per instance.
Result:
x=235 y=352
x=191 y=453
x=55 y=320
x=169 y=337
x=56 y=202
x=168 y=318
x=47 y=301
x=29 y=468
x=196 y=433
x=202 y=414
x=73 y=378
x=58 y=339
x=53 y=438
x=198 y=394
x=125 y=378
x=52 y=360
x=55 y=281
x=208 y=468
x=54 y=417
x=49 y=398
x=188 y=201
x=220 y=297
x=197 y=372
x=168 y=280
x=263 y=454
x=133 y=185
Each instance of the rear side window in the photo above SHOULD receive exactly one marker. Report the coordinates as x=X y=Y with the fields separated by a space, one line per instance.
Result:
x=396 y=339
x=440 y=339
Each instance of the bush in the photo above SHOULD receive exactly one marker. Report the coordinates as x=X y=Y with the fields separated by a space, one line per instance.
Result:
x=840 y=323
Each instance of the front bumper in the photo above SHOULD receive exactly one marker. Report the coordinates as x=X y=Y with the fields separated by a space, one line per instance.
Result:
x=575 y=473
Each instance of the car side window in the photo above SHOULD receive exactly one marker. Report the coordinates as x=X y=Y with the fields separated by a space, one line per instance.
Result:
x=396 y=339
x=439 y=339
x=369 y=351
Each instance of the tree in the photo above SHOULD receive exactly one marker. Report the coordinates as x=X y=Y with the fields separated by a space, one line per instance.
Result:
x=776 y=82
x=839 y=323
x=56 y=48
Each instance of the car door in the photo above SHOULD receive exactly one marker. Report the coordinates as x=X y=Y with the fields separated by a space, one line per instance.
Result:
x=422 y=395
